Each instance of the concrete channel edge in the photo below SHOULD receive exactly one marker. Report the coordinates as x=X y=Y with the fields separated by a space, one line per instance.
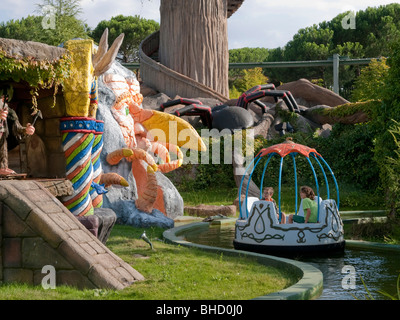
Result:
x=309 y=286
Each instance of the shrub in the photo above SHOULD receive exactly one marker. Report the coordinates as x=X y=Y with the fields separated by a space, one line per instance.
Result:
x=387 y=120
x=248 y=79
x=371 y=82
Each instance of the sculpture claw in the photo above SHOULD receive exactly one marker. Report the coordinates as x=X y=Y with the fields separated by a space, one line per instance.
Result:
x=146 y=200
x=112 y=178
x=116 y=156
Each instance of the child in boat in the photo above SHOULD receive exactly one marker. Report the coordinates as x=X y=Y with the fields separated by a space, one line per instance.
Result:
x=310 y=207
x=268 y=192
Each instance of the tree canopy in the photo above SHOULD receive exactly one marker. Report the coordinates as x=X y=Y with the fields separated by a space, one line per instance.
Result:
x=64 y=24
x=376 y=28
x=135 y=29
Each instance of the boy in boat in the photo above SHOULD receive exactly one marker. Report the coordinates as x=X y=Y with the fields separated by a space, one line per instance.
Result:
x=310 y=207
x=268 y=192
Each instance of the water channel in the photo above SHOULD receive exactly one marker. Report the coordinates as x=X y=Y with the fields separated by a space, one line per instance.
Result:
x=378 y=269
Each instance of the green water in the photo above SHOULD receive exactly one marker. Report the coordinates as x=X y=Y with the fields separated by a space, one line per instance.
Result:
x=378 y=269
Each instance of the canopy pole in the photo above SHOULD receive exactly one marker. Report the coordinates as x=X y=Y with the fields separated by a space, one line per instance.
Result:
x=326 y=179
x=316 y=182
x=295 y=180
x=240 y=189
x=280 y=182
x=248 y=183
x=263 y=174
x=334 y=179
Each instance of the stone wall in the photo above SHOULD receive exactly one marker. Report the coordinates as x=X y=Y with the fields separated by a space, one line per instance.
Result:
x=48 y=129
x=37 y=230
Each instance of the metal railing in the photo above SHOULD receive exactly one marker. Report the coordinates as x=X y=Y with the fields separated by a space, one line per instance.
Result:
x=335 y=62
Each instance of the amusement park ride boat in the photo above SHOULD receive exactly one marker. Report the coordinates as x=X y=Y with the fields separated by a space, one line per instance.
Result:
x=259 y=228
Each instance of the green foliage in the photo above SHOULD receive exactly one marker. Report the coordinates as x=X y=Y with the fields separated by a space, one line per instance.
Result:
x=311 y=43
x=376 y=28
x=234 y=93
x=69 y=8
x=390 y=171
x=67 y=28
x=237 y=81
x=28 y=29
x=135 y=28
x=371 y=82
x=387 y=122
x=369 y=107
x=210 y=169
x=248 y=79
x=67 y=25
x=217 y=195
x=38 y=74
x=248 y=55
x=350 y=151
x=383 y=231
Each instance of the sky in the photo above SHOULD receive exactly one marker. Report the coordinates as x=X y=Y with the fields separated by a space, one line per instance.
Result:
x=257 y=23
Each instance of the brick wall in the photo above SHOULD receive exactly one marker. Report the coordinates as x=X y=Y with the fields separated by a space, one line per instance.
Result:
x=37 y=230
x=48 y=129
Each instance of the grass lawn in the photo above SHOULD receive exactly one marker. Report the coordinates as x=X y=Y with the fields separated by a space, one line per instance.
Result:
x=175 y=273
x=171 y=272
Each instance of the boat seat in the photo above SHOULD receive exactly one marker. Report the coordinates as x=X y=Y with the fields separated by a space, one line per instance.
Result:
x=322 y=212
x=250 y=202
x=272 y=209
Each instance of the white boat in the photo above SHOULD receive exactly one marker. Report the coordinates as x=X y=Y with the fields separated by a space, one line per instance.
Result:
x=259 y=227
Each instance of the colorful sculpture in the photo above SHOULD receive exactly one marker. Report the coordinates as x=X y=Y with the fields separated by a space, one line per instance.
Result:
x=146 y=132
x=82 y=133
x=139 y=127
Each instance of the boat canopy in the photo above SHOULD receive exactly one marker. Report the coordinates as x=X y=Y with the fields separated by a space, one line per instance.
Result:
x=291 y=149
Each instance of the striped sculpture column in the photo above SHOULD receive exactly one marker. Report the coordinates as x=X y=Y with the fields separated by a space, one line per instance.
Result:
x=97 y=194
x=77 y=142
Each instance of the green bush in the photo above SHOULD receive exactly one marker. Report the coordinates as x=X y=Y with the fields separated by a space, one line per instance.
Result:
x=349 y=151
x=371 y=82
x=209 y=172
x=387 y=121
x=247 y=79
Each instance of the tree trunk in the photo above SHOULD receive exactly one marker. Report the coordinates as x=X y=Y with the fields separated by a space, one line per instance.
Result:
x=194 y=40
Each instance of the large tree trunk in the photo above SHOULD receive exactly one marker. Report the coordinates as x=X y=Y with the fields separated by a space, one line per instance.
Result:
x=194 y=40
